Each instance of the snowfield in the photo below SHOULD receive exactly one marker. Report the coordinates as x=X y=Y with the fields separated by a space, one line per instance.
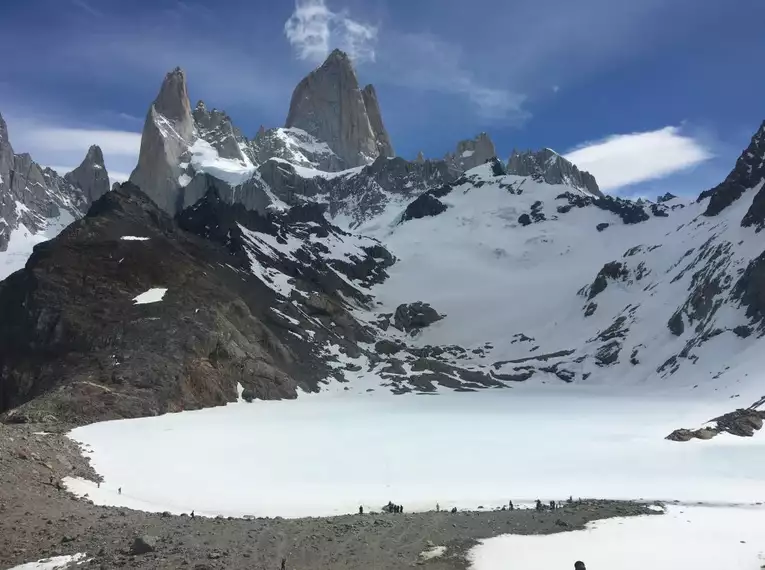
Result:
x=698 y=538
x=151 y=296
x=326 y=454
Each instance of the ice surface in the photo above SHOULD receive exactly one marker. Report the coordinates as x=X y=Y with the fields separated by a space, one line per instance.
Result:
x=134 y=238
x=329 y=453
x=698 y=538
x=151 y=296
x=54 y=563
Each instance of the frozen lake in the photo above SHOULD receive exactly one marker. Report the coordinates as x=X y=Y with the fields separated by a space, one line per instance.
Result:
x=327 y=454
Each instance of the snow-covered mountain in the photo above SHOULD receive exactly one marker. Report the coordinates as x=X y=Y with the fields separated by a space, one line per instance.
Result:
x=36 y=203
x=409 y=276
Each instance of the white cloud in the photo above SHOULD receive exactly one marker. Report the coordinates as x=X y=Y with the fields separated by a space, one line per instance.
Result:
x=314 y=30
x=621 y=160
x=67 y=139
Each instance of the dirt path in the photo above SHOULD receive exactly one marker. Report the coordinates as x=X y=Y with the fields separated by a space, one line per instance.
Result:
x=37 y=520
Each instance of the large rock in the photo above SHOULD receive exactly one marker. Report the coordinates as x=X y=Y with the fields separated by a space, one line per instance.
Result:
x=415 y=316
x=91 y=175
x=143 y=545
x=548 y=166
x=329 y=105
x=167 y=134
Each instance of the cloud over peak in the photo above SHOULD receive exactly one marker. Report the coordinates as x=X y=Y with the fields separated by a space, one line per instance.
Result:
x=314 y=30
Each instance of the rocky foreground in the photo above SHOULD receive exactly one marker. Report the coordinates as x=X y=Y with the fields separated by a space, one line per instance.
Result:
x=40 y=520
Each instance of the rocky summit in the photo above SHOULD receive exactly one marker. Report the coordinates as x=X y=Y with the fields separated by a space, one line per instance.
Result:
x=329 y=105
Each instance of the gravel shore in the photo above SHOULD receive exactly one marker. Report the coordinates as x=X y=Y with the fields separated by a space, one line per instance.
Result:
x=39 y=520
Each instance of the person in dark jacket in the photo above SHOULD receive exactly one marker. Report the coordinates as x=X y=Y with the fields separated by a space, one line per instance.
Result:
x=579 y=565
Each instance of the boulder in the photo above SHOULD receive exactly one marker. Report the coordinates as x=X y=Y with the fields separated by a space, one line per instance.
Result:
x=415 y=316
x=143 y=545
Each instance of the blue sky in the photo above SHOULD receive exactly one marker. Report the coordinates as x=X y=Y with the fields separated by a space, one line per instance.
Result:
x=650 y=95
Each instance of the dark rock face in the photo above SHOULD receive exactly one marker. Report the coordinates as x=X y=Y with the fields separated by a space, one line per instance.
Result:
x=666 y=198
x=748 y=172
x=548 y=166
x=743 y=422
x=630 y=212
x=755 y=215
x=614 y=271
x=676 y=325
x=426 y=205
x=415 y=316
x=750 y=289
x=74 y=345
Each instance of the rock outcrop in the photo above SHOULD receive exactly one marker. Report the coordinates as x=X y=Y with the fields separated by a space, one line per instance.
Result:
x=216 y=128
x=167 y=134
x=414 y=316
x=471 y=153
x=548 y=166
x=329 y=105
x=91 y=176
x=748 y=174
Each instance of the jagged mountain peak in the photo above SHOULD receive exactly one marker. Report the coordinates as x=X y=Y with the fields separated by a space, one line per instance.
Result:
x=549 y=166
x=91 y=175
x=472 y=152
x=338 y=57
x=748 y=172
x=329 y=105
x=173 y=98
x=167 y=134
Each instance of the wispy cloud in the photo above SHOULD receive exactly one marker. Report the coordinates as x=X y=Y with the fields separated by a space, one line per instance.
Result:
x=83 y=5
x=67 y=139
x=314 y=30
x=622 y=160
x=425 y=62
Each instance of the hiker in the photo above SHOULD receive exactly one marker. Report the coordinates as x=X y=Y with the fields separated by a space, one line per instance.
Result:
x=284 y=564
x=99 y=484
x=552 y=505
x=511 y=506
x=361 y=510
x=579 y=565
x=119 y=491
x=540 y=506
x=401 y=508
x=438 y=508
x=454 y=510
x=192 y=514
